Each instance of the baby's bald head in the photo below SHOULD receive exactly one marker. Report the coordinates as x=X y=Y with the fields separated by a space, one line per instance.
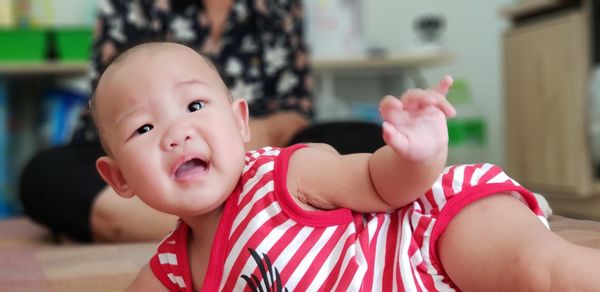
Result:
x=139 y=66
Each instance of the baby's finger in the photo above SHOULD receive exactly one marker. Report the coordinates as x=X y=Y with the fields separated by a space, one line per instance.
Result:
x=393 y=138
x=391 y=102
x=446 y=107
x=388 y=105
x=444 y=85
x=419 y=98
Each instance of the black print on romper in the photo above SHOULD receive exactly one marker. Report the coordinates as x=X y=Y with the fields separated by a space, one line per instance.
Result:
x=270 y=275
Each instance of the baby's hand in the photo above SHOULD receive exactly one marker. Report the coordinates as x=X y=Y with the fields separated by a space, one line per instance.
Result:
x=415 y=125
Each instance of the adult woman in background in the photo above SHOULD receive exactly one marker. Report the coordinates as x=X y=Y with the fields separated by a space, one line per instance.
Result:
x=259 y=48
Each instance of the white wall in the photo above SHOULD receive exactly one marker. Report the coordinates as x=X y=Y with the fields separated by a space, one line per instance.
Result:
x=473 y=34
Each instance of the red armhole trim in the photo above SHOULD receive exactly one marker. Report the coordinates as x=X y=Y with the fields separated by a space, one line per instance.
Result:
x=160 y=274
x=291 y=208
x=458 y=202
x=212 y=280
x=181 y=252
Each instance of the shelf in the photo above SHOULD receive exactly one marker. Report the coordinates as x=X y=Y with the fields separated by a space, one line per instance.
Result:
x=43 y=68
x=405 y=60
x=531 y=8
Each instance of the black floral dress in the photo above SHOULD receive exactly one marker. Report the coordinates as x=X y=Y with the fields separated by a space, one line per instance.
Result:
x=261 y=54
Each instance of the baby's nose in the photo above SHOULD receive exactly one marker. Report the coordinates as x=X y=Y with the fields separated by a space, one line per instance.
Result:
x=177 y=137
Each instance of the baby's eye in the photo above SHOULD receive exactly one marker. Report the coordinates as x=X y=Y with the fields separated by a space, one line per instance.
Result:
x=195 y=105
x=143 y=129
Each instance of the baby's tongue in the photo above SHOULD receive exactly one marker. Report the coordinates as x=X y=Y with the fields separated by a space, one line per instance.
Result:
x=190 y=167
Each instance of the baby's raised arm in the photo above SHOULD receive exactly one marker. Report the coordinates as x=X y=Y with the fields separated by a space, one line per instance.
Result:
x=416 y=135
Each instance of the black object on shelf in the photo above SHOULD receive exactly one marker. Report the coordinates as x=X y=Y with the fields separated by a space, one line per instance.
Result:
x=429 y=27
x=51 y=49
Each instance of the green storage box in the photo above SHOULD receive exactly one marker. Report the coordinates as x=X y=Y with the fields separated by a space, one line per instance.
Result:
x=466 y=130
x=74 y=44
x=22 y=45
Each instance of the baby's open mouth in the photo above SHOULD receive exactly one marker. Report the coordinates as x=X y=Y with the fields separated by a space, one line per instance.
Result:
x=190 y=168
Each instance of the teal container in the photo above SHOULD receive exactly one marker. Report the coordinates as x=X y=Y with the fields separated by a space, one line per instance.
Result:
x=74 y=44
x=22 y=45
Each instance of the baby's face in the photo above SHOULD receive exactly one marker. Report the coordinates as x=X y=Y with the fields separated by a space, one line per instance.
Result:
x=172 y=130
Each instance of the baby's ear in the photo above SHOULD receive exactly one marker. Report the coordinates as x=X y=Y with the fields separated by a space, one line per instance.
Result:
x=240 y=110
x=111 y=173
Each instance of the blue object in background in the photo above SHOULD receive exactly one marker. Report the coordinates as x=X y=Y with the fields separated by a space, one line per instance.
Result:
x=366 y=111
x=5 y=205
x=61 y=110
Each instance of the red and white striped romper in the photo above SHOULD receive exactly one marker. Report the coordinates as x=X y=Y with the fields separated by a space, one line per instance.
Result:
x=266 y=240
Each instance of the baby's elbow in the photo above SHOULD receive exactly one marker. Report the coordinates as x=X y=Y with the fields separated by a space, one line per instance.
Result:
x=400 y=201
x=324 y=146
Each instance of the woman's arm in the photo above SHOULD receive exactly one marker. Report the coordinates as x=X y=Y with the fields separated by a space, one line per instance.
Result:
x=146 y=281
x=275 y=130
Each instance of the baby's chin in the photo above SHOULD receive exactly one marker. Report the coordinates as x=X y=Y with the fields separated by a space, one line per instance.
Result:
x=201 y=208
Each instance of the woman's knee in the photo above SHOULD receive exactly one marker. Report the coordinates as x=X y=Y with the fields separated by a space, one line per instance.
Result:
x=57 y=188
x=36 y=184
x=105 y=220
x=114 y=218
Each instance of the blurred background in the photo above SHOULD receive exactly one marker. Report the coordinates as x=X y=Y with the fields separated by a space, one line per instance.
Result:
x=524 y=72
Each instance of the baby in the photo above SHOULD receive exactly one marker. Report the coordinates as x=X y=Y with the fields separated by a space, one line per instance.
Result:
x=305 y=218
